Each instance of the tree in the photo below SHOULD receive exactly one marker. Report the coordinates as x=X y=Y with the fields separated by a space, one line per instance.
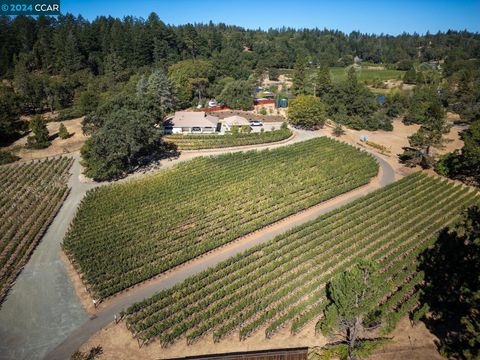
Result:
x=190 y=78
x=323 y=82
x=410 y=76
x=299 y=80
x=338 y=130
x=307 y=111
x=464 y=164
x=63 y=132
x=429 y=135
x=89 y=101
x=40 y=138
x=127 y=139
x=273 y=74
x=452 y=287
x=11 y=127
x=238 y=94
x=353 y=299
x=156 y=94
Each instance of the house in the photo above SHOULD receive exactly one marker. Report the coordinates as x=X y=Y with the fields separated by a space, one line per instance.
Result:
x=232 y=121
x=191 y=122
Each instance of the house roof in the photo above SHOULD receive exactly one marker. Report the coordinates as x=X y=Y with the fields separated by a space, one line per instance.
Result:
x=193 y=118
x=235 y=120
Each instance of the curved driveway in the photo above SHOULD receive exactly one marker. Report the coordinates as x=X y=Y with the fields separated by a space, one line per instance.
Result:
x=42 y=311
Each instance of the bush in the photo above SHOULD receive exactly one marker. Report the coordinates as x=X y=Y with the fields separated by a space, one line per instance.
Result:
x=7 y=157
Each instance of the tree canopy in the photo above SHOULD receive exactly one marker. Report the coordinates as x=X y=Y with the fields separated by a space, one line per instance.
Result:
x=126 y=140
x=238 y=94
x=307 y=111
x=353 y=298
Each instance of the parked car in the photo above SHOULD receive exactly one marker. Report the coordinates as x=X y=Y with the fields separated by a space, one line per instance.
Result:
x=256 y=123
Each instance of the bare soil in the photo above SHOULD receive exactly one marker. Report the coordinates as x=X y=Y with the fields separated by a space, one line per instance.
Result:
x=58 y=146
x=408 y=342
x=395 y=140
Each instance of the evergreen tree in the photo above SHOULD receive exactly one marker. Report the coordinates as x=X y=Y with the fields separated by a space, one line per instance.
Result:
x=338 y=130
x=299 y=80
x=156 y=94
x=63 y=132
x=40 y=138
x=464 y=165
x=353 y=298
x=429 y=135
x=238 y=94
x=410 y=76
x=323 y=82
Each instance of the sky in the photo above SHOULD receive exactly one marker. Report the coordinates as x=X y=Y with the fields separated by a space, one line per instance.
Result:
x=381 y=16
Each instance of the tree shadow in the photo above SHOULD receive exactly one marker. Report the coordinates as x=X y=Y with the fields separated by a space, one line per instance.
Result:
x=452 y=285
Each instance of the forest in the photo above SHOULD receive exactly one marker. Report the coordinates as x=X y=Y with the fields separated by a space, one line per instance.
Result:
x=109 y=67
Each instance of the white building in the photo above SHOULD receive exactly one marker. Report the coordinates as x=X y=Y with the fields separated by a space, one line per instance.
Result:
x=191 y=122
x=232 y=121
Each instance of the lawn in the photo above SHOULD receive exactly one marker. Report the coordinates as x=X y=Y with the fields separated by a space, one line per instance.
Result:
x=126 y=233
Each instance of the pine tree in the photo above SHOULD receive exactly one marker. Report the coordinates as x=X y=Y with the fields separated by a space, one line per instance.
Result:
x=40 y=138
x=300 y=75
x=63 y=132
x=410 y=77
x=156 y=94
x=353 y=297
x=323 y=83
x=429 y=135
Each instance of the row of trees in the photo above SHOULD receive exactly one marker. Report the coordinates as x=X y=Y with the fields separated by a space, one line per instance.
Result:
x=107 y=45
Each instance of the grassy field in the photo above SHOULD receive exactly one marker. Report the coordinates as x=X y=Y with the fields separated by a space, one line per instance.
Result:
x=282 y=282
x=31 y=195
x=191 y=142
x=364 y=74
x=126 y=233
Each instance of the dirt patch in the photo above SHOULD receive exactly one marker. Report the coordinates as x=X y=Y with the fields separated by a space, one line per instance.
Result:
x=395 y=140
x=58 y=146
x=409 y=342
x=80 y=289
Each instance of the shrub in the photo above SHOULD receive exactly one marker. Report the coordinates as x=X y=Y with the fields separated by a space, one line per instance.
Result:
x=7 y=157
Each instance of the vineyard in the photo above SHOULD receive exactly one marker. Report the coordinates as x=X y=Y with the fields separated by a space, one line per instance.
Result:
x=126 y=233
x=282 y=282
x=31 y=195
x=193 y=142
